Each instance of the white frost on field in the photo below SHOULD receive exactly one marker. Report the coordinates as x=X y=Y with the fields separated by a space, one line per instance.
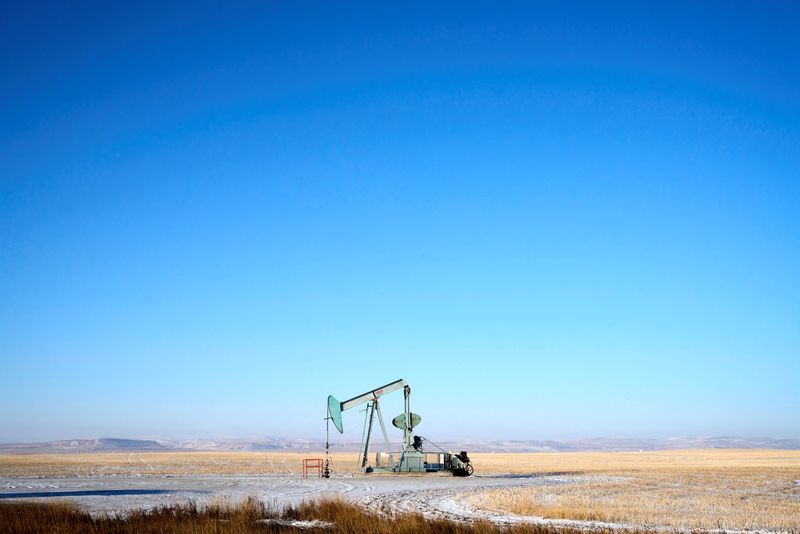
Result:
x=297 y=523
x=120 y=494
x=433 y=496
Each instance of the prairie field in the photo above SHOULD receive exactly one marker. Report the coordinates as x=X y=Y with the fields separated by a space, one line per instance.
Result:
x=696 y=489
x=175 y=463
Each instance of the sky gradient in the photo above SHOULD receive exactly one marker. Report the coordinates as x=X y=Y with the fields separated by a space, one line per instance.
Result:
x=554 y=221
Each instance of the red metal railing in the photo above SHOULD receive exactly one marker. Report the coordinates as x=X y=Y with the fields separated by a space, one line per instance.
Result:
x=312 y=464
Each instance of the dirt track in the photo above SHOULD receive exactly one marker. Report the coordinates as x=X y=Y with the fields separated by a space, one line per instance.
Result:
x=450 y=503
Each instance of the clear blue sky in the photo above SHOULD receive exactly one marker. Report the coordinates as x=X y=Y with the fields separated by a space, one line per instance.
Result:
x=554 y=220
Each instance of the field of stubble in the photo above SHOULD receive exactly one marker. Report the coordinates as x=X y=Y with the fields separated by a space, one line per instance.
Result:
x=165 y=463
x=694 y=489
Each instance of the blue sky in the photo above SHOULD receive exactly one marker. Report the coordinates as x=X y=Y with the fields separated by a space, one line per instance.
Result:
x=553 y=220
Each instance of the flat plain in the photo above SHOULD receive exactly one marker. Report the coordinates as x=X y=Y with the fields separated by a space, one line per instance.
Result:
x=692 y=489
x=687 y=489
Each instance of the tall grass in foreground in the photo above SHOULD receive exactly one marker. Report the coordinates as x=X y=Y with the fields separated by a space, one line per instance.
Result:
x=329 y=515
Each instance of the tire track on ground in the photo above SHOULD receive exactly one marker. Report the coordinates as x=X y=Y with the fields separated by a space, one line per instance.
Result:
x=450 y=504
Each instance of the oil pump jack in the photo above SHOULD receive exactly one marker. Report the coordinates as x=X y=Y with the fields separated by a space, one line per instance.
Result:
x=414 y=458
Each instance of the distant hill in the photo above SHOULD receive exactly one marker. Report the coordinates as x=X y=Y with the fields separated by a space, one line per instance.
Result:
x=260 y=444
x=284 y=444
x=83 y=445
x=625 y=444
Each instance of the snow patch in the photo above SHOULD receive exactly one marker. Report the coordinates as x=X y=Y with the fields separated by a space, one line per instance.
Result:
x=296 y=523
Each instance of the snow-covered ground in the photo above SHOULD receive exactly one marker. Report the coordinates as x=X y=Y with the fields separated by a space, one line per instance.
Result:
x=118 y=494
x=432 y=495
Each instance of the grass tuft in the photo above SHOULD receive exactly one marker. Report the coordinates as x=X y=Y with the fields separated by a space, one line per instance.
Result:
x=250 y=516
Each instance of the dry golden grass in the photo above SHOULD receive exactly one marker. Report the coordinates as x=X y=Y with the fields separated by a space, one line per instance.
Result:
x=250 y=516
x=164 y=463
x=701 y=489
x=632 y=462
x=288 y=463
